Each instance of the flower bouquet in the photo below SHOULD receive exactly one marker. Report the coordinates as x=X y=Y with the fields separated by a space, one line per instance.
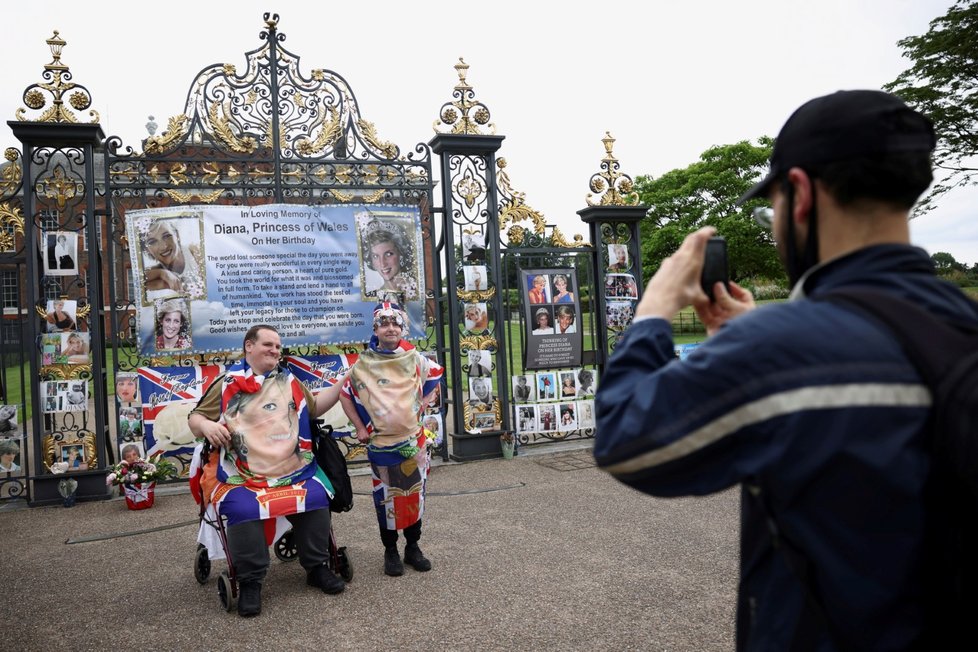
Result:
x=139 y=477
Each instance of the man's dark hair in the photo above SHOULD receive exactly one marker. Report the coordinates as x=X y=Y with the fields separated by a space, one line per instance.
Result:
x=252 y=334
x=898 y=179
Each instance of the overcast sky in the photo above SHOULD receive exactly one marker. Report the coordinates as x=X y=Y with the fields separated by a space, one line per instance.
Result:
x=667 y=79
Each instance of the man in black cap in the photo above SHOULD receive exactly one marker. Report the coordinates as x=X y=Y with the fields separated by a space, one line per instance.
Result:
x=811 y=406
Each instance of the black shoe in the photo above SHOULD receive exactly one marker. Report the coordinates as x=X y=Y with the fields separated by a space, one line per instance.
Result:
x=392 y=563
x=323 y=578
x=415 y=558
x=249 y=599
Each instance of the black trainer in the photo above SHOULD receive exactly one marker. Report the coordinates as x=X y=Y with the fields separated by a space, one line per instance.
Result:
x=249 y=599
x=415 y=558
x=392 y=562
x=323 y=578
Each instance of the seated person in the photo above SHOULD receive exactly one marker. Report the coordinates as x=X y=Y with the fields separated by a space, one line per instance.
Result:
x=257 y=416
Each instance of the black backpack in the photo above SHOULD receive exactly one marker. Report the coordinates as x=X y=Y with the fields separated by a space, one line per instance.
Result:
x=330 y=458
x=945 y=353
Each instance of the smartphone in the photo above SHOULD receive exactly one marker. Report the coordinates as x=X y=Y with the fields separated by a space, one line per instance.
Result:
x=715 y=266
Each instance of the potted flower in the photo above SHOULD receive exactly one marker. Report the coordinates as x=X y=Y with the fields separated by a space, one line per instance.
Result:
x=139 y=477
x=507 y=442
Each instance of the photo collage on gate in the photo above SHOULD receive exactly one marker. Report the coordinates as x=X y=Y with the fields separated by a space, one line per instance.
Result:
x=433 y=419
x=553 y=402
x=64 y=345
x=553 y=308
x=620 y=288
x=475 y=313
x=11 y=442
x=129 y=436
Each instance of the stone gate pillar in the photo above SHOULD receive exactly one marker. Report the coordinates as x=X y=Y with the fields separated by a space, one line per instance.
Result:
x=469 y=197
x=614 y=229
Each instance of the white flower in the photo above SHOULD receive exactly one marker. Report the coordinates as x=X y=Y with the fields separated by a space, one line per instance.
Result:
x=59 y=467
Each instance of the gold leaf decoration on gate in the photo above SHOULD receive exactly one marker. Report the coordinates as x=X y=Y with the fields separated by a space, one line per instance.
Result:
x=476 y=295
x=513 y=207
x=185 y=196
x=557 y=239
x=224 y=132
x=11 y=175
x=328 y=135
x=11 y=223
x=176 y=129
x=388 y=149
x=478 y=342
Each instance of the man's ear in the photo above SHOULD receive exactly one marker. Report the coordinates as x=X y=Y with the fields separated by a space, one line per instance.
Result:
x=804 y=189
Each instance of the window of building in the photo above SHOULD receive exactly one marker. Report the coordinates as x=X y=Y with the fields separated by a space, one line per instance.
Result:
x=11 y=291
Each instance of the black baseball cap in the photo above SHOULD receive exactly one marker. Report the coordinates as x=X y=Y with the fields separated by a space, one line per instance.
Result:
x=842 y=126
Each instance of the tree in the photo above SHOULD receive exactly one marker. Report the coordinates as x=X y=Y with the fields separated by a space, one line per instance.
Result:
x=683 y=200
x=942 y=83
x=945 y=262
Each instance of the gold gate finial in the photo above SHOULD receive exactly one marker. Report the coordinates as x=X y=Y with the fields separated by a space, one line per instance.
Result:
x=57 y=85
x=456 y=114
x=617 y=186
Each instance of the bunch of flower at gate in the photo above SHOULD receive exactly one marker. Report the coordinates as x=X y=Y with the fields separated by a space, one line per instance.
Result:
x=155 y=469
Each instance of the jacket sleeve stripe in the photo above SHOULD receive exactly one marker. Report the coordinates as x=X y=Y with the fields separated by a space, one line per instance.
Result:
x=826 y=397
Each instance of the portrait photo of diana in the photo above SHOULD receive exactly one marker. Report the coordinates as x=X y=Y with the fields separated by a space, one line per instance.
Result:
x=389 y=264
x=171 y=257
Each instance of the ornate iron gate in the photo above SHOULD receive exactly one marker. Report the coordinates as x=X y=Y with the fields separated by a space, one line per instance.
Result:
x=265 y=134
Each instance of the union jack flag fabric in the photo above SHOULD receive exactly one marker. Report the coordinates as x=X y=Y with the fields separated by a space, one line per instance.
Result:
x=169 y=394
x=269 y=470
x=387 y=389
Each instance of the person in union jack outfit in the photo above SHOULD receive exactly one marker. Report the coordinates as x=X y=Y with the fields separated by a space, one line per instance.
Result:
x=257 y=417
x=384 y=396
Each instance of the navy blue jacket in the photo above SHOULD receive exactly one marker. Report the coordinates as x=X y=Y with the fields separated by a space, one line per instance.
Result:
x=815 y=410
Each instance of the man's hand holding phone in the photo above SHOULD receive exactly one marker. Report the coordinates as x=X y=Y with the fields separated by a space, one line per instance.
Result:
x=727 y=305
x=677 y=283
x=680 y=279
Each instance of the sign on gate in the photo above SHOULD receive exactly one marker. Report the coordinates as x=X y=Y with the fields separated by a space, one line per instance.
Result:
x=205 y=274
x=552 y=304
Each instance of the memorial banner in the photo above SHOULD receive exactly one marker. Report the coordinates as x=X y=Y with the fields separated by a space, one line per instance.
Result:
x=552 y=305
x=205 y=274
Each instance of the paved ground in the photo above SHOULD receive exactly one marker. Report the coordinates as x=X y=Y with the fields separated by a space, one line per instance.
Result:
x=542 y=551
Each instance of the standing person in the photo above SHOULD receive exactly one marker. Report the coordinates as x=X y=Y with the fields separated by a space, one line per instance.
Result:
x=257 y=417
x=387 y=391
x=827 y=435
